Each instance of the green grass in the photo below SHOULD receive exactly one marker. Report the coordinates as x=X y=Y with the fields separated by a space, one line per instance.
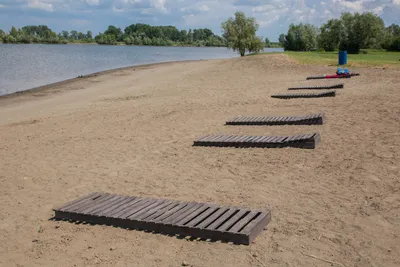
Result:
x=370 y=58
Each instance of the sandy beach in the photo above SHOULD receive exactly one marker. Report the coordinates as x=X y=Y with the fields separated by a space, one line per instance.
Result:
x=131 y=132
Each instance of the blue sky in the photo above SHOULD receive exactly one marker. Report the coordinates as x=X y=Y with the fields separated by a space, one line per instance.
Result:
x=274 y=16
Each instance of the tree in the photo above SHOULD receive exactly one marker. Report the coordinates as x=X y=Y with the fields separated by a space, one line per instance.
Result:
x=240 y=33
x=2 y=34
x=114 y=31
x=360 y=31
x=81 y=36
x=267 y=42
x=282 y=39
x=329 y=36
x=73 y=35
x=65 y=34
x=89 y=35
x=301 y=37
x=14 y=32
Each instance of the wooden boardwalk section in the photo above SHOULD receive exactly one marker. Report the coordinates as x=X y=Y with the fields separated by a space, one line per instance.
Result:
x=276 y=120
x=308 y=141
x=308 y=95
x=197 y=220
x=330 y=77
x=335 y=86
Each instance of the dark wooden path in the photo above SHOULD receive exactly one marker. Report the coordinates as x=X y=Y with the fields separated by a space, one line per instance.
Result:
x=309 y=141
x=308 y=95
x=331 y=77
x=197 y=220
x=285 y=120
x=335 y=86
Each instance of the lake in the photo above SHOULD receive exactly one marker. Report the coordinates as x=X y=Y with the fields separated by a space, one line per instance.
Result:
x=24 y=67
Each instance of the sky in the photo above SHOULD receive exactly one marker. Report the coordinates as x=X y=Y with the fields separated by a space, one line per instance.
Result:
x=273 y=16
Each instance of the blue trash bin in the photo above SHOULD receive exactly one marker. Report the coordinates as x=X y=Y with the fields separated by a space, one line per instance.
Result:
x=342 y=57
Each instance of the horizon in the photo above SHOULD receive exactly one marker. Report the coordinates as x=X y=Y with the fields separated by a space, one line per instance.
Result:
x=273 y=16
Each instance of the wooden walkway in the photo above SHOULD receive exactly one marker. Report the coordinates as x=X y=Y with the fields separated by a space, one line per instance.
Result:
x=335 y=86
x=329 y=77
x=197 y=220
x=308 y=95
x=308 y=141
x=286 y=120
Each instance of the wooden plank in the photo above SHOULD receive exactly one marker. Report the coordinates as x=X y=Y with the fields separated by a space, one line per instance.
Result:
x=172 y=211
x=122 y=209
x=213 y=217
x=222 y=219
x=111 y=200
x=201 y=217
x=94 y=206
x=233 y=220
x=172 y=217
x=138 y=214
x=182 y=214
x=243 y=222
x=133 y=210
x=162 y=211
x=192 y=215
x=124 y=200
x=87 y=202
x=77 y=201
x=153 y=210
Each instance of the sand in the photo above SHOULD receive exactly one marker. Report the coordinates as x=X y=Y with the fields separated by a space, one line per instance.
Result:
x=131 y=131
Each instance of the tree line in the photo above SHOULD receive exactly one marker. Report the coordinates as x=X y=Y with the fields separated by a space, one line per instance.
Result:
x=135 y=34
x=351 y=32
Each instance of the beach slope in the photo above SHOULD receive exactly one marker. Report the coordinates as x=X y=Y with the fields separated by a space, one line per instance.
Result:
x=131 y=132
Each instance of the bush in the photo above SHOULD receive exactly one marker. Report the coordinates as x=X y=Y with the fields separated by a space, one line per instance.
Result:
x=395 y=45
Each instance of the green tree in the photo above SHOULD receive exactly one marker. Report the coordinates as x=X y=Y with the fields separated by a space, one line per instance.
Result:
x=282 y=39
x=360 y=31
x=73 y=35
x=65 y=34
x=301 y=37
x=240 y=33
x=114 y=31
x=89 y=35
x=2 y=34
x=14 y=32
x=267 y=42
x=329 y=36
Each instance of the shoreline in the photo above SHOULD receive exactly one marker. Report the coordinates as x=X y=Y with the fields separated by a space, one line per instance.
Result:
x=50 y=86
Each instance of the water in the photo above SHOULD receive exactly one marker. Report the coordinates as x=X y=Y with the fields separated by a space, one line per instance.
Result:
x=24 y=67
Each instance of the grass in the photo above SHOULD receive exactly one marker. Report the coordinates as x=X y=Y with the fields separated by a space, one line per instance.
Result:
x=368 y=58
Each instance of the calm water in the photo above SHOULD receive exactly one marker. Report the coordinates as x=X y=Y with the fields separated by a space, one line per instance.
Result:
x=23 y=67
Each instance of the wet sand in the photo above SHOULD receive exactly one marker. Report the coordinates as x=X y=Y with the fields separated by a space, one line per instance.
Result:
x=131 y=131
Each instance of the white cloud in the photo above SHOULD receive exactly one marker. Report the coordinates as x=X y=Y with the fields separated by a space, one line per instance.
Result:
x=93 y=2
x=263 y=8
x=1 y=6
x=204 y=7
x=40 y=5
x=160 y=5
x=396 y=2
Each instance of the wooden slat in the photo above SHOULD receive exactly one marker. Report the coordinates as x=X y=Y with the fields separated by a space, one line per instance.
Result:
x=282 y=120
x=310 y=95
x=77 y=201
x=299 y=141
x=212 y=218
x=222 y=219
x=232 y=220
x=166 y=216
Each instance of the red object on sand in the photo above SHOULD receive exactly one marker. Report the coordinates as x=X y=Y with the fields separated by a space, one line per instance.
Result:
x=337 y=76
